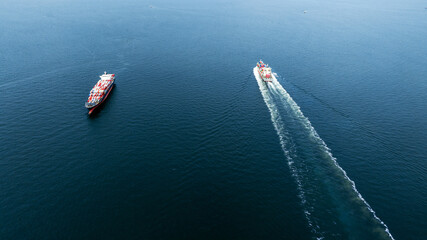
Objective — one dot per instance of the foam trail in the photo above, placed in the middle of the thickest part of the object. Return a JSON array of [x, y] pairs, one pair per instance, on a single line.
[[332, 205]]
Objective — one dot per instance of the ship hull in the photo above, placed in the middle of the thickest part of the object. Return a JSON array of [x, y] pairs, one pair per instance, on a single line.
[[100, 103], [264, 79], [102, 99]]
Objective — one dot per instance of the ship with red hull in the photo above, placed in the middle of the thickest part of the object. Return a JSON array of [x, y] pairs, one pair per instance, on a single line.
[[100, 91], [264, 71]]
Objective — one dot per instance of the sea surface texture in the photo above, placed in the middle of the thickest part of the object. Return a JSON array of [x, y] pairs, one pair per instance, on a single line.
[[191, 143]]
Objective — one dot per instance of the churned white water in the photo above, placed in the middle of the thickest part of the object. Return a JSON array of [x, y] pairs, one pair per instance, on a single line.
[[275, 95]]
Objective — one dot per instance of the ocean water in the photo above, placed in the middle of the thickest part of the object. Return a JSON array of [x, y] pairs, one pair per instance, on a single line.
[[191, 144]]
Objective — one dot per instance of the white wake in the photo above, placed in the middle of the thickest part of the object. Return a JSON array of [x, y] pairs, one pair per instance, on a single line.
[[273, 91]]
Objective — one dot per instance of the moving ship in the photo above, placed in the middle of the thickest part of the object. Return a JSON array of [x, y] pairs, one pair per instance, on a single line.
[[264, 71], [100, 91]]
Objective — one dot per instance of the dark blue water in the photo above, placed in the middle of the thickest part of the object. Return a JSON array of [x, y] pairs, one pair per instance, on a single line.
[[189, 145]]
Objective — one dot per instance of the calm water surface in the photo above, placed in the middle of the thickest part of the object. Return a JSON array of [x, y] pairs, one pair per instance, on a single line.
[[189, 145]]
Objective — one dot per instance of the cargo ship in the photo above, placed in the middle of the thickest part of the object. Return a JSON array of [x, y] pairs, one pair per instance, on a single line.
[[264, 71], [100, 91]]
